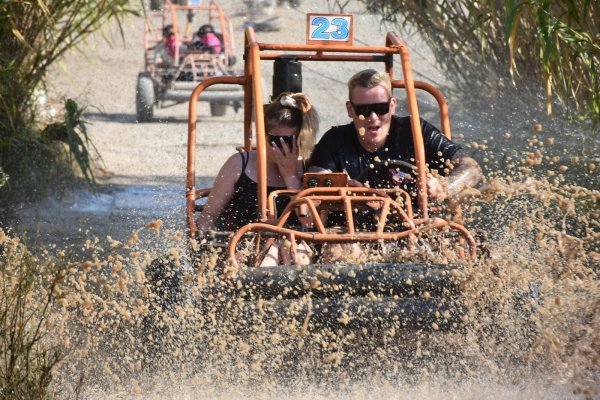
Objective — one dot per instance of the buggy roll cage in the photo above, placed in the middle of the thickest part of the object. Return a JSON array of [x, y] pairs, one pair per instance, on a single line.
[[254, 53]]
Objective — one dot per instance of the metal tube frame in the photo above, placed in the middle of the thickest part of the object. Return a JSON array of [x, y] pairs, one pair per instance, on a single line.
[[254, 53]]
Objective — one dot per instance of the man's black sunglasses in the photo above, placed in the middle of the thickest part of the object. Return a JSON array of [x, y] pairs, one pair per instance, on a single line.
[[366, 109], [279, 140]]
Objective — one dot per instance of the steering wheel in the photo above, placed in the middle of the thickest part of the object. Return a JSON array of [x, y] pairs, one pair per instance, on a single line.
[[404, 166]]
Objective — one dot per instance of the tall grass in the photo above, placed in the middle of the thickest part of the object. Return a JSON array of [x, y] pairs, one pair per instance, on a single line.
[[34, 35], [555, 43], [29, 350]]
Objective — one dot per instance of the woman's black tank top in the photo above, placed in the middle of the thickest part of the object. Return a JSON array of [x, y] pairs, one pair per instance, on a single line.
[[243, 206]]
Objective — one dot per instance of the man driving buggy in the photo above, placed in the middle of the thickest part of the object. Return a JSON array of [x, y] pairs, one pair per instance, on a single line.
[[376, 135]]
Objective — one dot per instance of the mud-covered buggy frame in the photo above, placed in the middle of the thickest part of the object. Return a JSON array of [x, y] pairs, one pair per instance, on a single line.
[[165, 83], [420, 294]]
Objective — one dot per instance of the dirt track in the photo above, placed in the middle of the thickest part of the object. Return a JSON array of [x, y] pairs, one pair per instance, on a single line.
[[142, 176]]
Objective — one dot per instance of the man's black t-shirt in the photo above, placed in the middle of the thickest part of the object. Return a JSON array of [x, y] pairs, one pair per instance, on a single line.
[[340, 151]]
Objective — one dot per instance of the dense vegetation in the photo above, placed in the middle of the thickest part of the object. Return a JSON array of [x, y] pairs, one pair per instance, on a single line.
[[29, 288], [33, 37], [555, 44], [36, 154]]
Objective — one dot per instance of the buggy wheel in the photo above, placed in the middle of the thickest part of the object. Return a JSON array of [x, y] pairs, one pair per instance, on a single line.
[[412, 296], [144, 98], [164, 284], [163, 281], [218, 109]]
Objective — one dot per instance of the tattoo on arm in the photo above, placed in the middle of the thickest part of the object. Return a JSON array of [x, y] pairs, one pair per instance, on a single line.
[[466, 174]]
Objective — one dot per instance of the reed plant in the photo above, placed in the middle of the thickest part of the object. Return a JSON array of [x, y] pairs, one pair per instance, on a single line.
[[34, 35], [555, 43], [30, 350]]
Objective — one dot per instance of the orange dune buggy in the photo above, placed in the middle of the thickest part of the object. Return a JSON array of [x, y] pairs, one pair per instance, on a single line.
[[169, 80], [411, 294]]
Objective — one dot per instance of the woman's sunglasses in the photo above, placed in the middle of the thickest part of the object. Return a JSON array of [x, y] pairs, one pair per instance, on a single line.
[[366, 109], [279, 140]]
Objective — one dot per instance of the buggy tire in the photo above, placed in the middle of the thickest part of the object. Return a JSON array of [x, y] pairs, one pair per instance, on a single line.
[[411, 296], [144, 98], [164, 282], [218, 109], [355, 280]]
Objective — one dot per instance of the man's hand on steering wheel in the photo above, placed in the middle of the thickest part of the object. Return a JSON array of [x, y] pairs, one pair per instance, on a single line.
[[436, 185], [436, 189], [379, 166]]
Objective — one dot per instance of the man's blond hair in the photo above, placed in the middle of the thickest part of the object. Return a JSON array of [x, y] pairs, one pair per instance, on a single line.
[[369, 78]]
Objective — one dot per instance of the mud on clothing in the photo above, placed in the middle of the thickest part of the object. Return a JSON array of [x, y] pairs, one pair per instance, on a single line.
[[243, 206], [339, 150]]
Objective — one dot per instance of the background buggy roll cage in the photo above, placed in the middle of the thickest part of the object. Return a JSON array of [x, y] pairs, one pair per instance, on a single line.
[[254, 52], [169, 9]]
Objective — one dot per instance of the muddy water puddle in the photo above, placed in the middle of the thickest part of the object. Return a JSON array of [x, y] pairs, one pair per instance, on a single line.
[[530, 304], [116, 209], [531, 319]]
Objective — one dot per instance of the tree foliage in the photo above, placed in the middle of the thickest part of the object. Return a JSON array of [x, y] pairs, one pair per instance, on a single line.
[[556, 43], [33, 36]]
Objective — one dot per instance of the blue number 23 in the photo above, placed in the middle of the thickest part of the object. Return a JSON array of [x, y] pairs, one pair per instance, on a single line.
[[340, 33]]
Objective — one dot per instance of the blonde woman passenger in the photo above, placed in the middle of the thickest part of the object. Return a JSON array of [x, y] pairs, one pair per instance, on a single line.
[[291, 125]]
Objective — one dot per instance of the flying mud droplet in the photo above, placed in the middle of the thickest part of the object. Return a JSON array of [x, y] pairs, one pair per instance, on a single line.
[[87, 266], [361, 117], [361, 131], [537, 128], [155, 225], [344, 319]]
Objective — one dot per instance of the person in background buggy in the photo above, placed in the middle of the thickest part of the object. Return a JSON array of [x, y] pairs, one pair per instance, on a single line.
[[208, 40], [164, 52]]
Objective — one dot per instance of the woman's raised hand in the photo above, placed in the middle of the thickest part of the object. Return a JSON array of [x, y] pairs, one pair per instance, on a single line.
[[286, 158]]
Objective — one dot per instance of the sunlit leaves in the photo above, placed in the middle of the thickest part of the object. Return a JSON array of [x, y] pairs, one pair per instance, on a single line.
[[556, 43]]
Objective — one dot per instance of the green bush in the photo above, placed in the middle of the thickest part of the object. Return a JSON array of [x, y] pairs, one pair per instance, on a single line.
[[46, 159], [35, 35]]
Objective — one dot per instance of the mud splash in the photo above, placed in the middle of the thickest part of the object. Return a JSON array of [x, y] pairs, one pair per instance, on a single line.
[[531, 317]]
